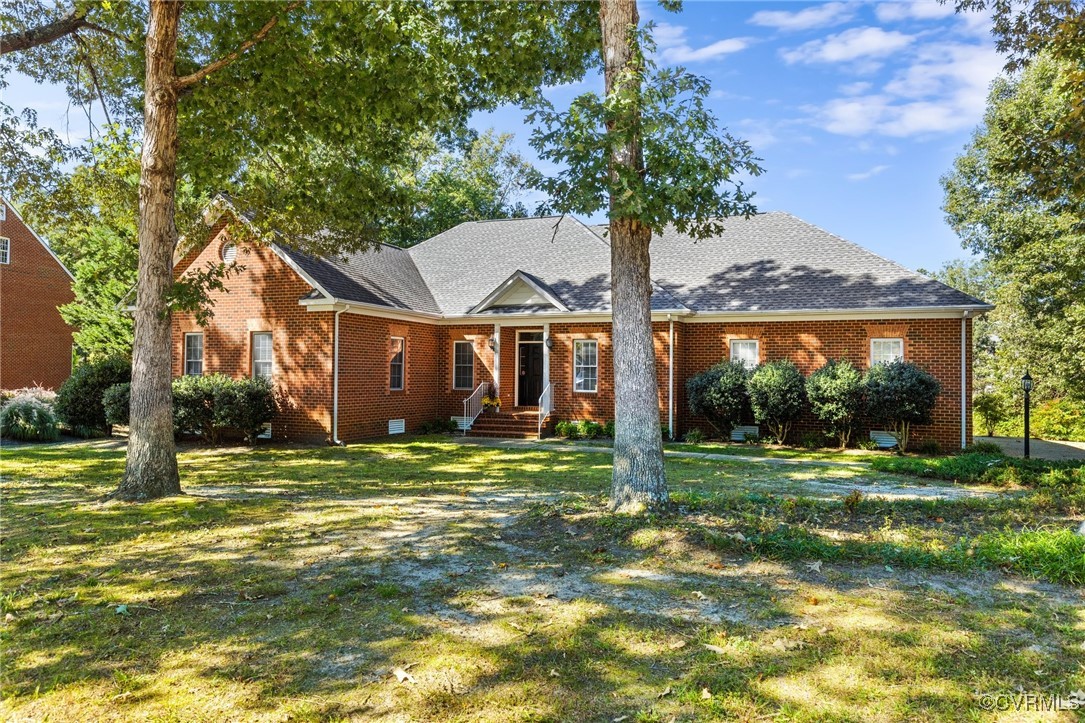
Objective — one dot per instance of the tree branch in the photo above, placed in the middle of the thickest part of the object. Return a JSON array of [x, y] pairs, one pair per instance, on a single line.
[[187, 81], [67, 24], [85, 54]]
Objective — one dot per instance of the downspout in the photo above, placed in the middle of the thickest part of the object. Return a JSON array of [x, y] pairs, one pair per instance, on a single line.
[[670, 380], [335, 383], [964, 379]]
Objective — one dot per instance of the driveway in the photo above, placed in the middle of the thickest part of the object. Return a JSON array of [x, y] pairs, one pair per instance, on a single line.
[[1038, 448]]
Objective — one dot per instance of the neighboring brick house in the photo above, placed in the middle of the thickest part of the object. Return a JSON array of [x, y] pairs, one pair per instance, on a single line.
[[35, 343], [381, 341]]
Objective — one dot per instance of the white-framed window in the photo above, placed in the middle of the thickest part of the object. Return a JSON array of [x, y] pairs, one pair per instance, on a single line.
[[397, 355], [463, 365], [585, 365], [746, 352], [883, 351], [193, 354], [262, 355], [5, 250]]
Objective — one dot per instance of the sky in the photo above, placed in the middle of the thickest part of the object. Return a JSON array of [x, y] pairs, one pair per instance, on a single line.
[[856, 109]]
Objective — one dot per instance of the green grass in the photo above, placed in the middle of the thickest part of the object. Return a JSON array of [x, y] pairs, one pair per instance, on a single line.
[[982, 468], [748, 450], [290, 583]]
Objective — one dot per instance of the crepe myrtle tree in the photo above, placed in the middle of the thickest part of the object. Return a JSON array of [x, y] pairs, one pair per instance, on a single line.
[[900, 394], [291, 107], [651, 154]]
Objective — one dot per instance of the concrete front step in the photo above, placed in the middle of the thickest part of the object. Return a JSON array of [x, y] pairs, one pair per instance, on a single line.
[[503, 434]]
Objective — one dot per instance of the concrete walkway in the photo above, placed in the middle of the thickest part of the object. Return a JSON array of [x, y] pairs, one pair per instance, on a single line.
[[1038, 448], [560, 447]]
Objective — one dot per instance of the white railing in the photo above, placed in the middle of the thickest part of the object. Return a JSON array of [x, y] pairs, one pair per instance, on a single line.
[[544, 407], [472, 407]]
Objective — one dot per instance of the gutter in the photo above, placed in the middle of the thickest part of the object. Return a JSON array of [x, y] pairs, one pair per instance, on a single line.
[[964, 378], [335, 383]]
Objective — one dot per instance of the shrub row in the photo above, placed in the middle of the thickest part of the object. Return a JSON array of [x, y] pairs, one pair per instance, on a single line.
[[208, 406], [583, 429], [897, 394], [981, 465], [79, 399]]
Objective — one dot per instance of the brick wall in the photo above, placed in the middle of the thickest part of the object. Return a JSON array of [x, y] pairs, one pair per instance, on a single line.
[[264, 298], [479, 336], [35, 343], [933, 344]]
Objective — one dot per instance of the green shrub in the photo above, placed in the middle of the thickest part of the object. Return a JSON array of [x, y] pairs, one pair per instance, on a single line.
[[812, 440], [591, 430], [194, 405], [719, 395], [988, 448], [900, 394], [28, 419], [836, 393], [777, 396], [694, 436], [929, 447], [989, 468], [1059, 419], [608, 429], [867, 444], [117, 400], [438, 426], [567, 429], [991, 410], [79, 400], [244, 405]]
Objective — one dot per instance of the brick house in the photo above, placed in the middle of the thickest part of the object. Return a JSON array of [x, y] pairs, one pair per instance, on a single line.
[[35, 343], [381, 341]]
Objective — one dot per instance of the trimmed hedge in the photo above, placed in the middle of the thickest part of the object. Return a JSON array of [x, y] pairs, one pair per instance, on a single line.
[[778, 396]]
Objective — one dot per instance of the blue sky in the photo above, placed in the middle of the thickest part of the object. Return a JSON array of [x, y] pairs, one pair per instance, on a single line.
[[855, 108]]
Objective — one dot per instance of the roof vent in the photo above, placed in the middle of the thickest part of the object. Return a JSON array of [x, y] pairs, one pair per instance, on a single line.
[[229, 253]]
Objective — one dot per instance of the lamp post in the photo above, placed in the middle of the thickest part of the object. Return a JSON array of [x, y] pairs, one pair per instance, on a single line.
[[1026, 384]]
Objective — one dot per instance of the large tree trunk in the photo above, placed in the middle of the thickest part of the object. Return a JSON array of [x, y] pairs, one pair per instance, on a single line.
[[151, 469], [640, 481]]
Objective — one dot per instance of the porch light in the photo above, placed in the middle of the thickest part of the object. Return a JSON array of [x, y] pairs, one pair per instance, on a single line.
[[492, 343], [549, 342]]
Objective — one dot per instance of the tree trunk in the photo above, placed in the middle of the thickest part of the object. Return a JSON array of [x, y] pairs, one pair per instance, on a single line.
[[151, 469], [639, 482]]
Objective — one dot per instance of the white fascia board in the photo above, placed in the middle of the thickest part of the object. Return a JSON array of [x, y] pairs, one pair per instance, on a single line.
[[39, 238], [912, 312], [508, 283]]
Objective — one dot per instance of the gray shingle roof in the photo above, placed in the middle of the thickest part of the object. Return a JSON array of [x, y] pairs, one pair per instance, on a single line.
[[769, 262]]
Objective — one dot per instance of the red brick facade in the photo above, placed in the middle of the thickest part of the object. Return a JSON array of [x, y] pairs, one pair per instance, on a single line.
[[265, 297], [35, 343]]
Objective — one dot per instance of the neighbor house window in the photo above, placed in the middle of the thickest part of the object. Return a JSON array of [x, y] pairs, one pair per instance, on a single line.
[[5, 251], [395, 366], [193, 355], [463, 365], [262, 360], [883, 351], [585, 365], [746, 352]]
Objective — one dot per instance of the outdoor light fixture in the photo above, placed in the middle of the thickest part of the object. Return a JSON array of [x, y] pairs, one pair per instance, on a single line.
[[549, 342], [492, 342], [1026, 384]]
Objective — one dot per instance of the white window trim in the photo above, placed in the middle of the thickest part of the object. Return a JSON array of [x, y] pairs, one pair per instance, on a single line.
[[884, 339], [252, 342], [586, 341], [203, 354], [403, 375], [756, 346], [7, 250], [471, 346]]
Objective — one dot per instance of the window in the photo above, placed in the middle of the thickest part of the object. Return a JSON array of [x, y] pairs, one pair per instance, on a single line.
[[746, 351], [262, 365], [193, 355], [395, 365], [463, 365], [883, 351], [585, 365], [5, 251]]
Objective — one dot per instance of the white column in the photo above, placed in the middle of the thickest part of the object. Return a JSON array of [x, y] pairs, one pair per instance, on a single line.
[[546, 361], [497, 357]]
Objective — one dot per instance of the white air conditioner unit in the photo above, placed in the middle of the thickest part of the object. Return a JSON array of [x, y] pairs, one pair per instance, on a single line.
[[397, 426]]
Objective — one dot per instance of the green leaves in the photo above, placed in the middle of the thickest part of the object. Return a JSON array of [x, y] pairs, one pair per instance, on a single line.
[[693, 169]]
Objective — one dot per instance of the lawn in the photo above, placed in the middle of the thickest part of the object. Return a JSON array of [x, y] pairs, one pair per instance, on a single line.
[[425, 580]]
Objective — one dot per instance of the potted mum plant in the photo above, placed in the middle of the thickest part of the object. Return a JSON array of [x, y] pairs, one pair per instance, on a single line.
[[490, 401]]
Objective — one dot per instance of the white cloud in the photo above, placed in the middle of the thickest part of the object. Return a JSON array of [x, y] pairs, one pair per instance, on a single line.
[[890, 12], [851, 44], [675, 48], [864, 175], [818, 16], [855, 88], [942, 89]]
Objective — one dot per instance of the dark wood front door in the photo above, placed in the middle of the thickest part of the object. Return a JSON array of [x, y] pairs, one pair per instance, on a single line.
[[530, 373]]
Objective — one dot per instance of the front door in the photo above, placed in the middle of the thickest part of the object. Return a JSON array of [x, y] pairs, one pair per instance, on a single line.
[[530, 373]]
